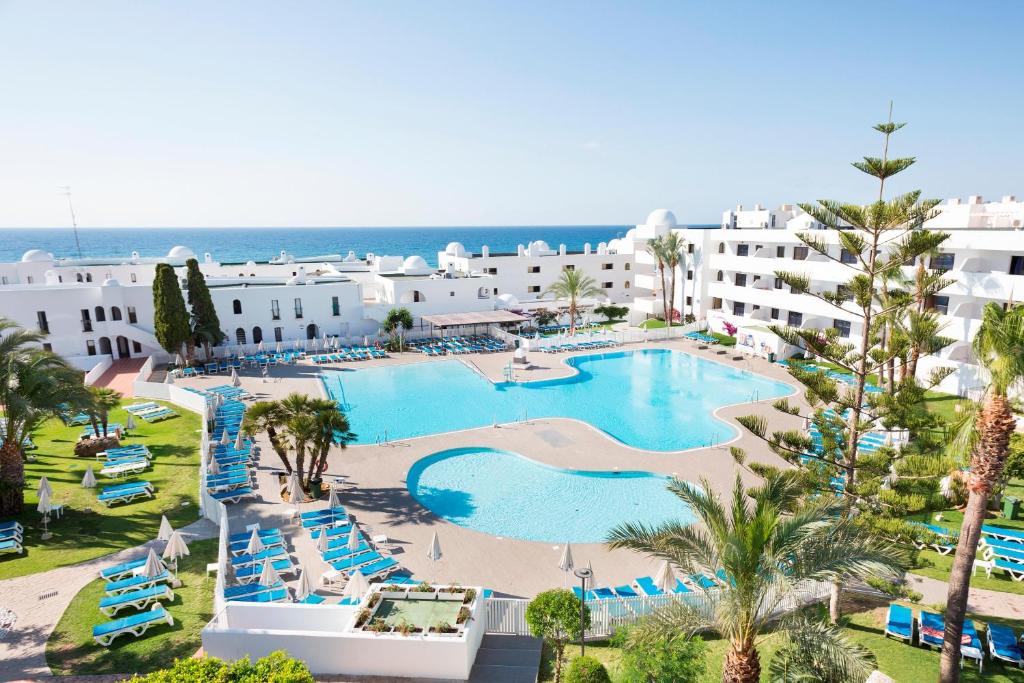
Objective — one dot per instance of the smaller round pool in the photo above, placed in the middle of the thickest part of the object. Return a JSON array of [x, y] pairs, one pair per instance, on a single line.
[[505, 494]]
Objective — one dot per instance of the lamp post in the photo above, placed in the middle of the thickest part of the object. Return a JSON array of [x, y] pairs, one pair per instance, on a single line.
[[583, 573]]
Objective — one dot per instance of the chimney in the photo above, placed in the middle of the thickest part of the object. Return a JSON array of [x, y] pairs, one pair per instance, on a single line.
[[954, 201], [739, 207], [586, 248], [1009, 199], [974, 199], [758, 207]]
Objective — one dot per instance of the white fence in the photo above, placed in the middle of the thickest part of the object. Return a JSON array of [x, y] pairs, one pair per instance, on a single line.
[[627, 336], [98, 370]]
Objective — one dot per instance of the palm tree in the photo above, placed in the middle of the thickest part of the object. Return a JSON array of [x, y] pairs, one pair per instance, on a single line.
[[397, 319], [999, 348], [331, 428], [267, 416], [104, 400], [673, 244], [573, 285], [657, 249], [302, 431], [34, 385], [765, 549]]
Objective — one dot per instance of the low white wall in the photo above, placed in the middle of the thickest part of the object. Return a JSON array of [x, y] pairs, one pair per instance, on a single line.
[[86, 363], [98, 370]]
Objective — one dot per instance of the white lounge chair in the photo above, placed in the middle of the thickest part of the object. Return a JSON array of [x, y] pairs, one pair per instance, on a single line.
[[139, 599], [136, 625]]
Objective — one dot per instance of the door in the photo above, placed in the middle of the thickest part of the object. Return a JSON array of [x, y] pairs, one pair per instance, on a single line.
[[122, 348]]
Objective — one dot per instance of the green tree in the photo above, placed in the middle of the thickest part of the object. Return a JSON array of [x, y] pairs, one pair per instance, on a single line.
[[396, 322], [34, 385], [269, 417], [544, 317], [554, 615], [277, 667], [170, 319], [765, 545], [332, 429], [653, 659], [104, 399], [205, 323], [573, 285], [587, 670], [818, 652], [673, 246], [612, 312], [999, 348], [656, 247]]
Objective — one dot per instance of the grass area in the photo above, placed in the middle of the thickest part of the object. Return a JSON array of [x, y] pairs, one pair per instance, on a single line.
[[71, 649], [657, 324], [592, 327], [88, 528], [724, 339], [902, 662], [943, 405]]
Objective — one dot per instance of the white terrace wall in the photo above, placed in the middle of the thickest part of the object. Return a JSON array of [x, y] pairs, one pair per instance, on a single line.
[[98, 370]]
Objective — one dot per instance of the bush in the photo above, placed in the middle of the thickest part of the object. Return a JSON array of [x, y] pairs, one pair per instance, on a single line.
[[647, 659], [277, 667], [554, 615], [587, 670], [612, 312]]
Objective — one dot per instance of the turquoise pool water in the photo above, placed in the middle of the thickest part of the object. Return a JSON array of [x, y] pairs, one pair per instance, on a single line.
[[505, 494], [654, 399]]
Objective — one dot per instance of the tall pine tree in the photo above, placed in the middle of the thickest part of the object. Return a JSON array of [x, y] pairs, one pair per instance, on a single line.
[[205, 323], [170, 319]]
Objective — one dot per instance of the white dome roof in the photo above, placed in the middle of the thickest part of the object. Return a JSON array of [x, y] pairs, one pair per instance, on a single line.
[[505, 302], [661, 218], [111, 282], [414, 263], [351, 257], [35, 255], [539, 245], [180, 252], [455, 249]]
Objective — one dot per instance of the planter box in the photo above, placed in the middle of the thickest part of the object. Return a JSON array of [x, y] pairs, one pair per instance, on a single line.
[[392, 595], [451, 597], [415, 595]]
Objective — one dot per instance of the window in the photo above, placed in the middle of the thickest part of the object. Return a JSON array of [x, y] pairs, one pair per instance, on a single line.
[[136, 347], [741, 279], [742, 249], [799, 253], [236, 306], [778, 283], [773, 220], [568, 266], [689, 301], [41, 322], [115, 313], [240, 336], [533, 269], [719, 276], [101, 315], [1016, 265], [689, 250], [86, 322], [689, 275], [628, 266], [843, 326], [716, 304], [625, 285], [795, 319], [336, 305], [275, 310], [533, 289], [607, 266], [606, 285], [257, 334], [132, 317], [491, 271], [79, 278], [843, 292], [3, 279], [88, 277], [135, 278], [278, 334], [940, 304], [738, 308], [780, 252], [48, 347], [298, 308], [452, 293], [942, 262], [29, 279], [90, 346], [721, 247], [847, 256], [775, 314]]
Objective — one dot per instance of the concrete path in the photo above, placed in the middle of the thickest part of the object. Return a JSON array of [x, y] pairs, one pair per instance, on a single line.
[[39, 600], [979, 601]]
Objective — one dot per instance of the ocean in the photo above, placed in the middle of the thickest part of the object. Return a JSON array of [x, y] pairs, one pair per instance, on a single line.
[[259, 244]]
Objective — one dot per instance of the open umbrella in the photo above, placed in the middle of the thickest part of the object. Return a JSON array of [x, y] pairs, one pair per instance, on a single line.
[[306, 585], [239, 442], [235, 381], [153, 566], [164, 534], [332, 499], [321, 541], [255, 544], [353, 539], [665, 579], [295, 492], [89, 480], [224, 438], [130, 423], [269, 575], [356, 587], [565, 563], [175, 549], [44, 485]]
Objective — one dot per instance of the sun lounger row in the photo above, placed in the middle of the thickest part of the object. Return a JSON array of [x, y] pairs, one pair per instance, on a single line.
[[701, 337], [900, 624], [580, 346]]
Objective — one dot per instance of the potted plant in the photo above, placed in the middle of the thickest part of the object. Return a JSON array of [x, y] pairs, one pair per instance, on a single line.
[[374, 599], [363, 617], [378, 626], [469, 596], [464, 615], [443, 628], [406, 629]]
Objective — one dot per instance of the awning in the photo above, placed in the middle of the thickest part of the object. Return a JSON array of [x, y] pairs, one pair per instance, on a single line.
[[477, 318]]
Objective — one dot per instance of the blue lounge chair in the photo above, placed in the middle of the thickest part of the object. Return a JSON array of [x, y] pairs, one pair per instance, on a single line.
[[316, 513], [625, 592], [331, 531], [135, 583], [11, 545], [646, 586], [127, 486], [1014, 569], [246, 559], [973, 648], [11, 534], [931, 629], [1002, 644], [125, 495], [234, 592], [273, 595], [233, 495], [250, 573], [900, 623], [380, 568], [313, 599], [590, 596], [139, 599], [263, 534], [136, 624], [357, 560], [1003, 533], [119, 571], [343, 552]]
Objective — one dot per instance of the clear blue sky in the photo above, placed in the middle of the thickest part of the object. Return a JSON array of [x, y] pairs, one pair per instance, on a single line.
[[481, 113]]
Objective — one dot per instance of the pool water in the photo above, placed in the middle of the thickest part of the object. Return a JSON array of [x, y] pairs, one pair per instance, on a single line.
[[507, 495], [655, 399]]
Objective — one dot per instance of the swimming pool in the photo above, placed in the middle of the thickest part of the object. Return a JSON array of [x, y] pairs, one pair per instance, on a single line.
[[507, 495], [656, 399]]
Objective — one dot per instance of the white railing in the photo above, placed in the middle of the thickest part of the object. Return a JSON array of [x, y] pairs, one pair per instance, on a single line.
[[222, 564], [98, 370]]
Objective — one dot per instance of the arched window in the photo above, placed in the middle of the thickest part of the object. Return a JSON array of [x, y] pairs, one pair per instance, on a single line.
[[115, 313], [100, 315], [88, 277], [240, 336], [721, 247], [257, 335], [237, 306], [413, 296], [625, 285], [719, 277], [79, 278], [628, 265]]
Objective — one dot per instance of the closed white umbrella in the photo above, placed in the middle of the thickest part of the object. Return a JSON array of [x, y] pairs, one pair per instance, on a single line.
[[44, 509], [239, 442], [321, 541], [255, 544], [89, 480], [44, 485], [224, 438], [565, 563], [164, 534], [235, 381], [357, 586], [332, 499], [593, 576], [153, 566], [295, 492], [665, 579], [169, 378], [353, 539], [269, 575], [214, 467], [130, 423], [176, 548], [259, 347], [434, 551], [305, 587], [178, 360]]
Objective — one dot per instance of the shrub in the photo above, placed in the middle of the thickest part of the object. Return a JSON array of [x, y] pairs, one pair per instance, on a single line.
[[544, 317], [612, 312], [277, 667], [730, 329], [646, 659], [469, 597], [587, 670], [464, 615]]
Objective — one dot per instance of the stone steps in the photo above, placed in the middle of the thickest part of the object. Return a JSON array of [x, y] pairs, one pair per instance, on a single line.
[[507, 659]]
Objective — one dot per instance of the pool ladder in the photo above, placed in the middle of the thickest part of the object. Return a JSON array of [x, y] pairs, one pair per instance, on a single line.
[[755, 396]]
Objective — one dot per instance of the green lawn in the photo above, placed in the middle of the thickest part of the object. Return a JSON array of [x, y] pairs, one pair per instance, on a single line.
[[724, 339], [71, 649], [88, 528], [943, 405], [657, 324], [902, 662]]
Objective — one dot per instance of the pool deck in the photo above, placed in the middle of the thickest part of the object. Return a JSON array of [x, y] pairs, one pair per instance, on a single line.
[[375, 492]]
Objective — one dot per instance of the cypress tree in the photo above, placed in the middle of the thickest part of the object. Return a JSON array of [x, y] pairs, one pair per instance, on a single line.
[[205, 323], [170, 319]]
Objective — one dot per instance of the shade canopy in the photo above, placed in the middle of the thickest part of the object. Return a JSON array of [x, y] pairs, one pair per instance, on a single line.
[[44, 485], [130, 422], [566, 563], [474, 318], [235, 381], [255, 544], [225, 439], [214, 467], [239, 442], [295, 492], [665, 579], [176, 547], [321, 540], [332, 499], [44, 506], [306, 585], [353, 539], [153, 566]]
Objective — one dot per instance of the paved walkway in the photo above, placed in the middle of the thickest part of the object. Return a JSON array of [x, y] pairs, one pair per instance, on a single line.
[[23, 649], [979, 601]]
